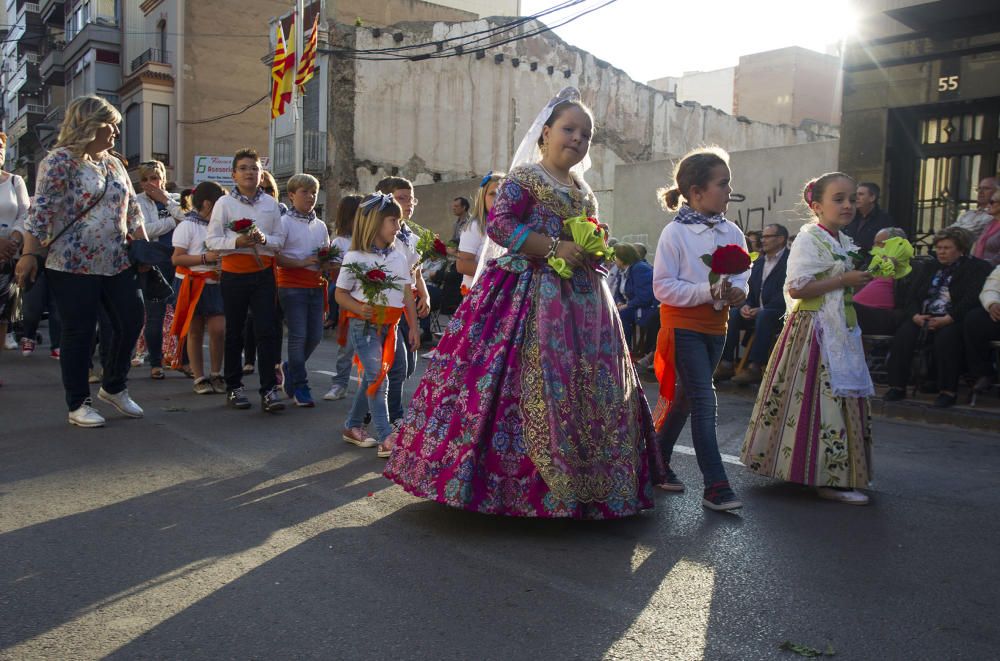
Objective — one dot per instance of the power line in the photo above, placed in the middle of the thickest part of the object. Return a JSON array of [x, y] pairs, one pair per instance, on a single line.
[[459, 49], [225, 115]]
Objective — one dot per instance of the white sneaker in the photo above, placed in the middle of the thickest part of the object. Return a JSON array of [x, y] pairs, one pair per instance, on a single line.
[[852, 497], [430, 355], [10, 342], [86, 415], [336, 392], [122, 402]]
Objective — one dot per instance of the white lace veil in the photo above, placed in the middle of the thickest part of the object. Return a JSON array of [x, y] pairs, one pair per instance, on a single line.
[[529, 153]]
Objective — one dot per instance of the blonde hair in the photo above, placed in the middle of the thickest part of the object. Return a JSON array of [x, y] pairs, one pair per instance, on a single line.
[[301, 181], [368, 223], [84, 116], [479, 211], [149, 168], [3, 138], [695, 169]]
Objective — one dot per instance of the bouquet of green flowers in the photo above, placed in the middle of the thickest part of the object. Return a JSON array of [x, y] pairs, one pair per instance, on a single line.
[[589, 235], [892, 259]]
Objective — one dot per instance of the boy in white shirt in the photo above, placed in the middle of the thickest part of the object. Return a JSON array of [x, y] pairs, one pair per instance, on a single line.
[[301, 284], [247, 277]]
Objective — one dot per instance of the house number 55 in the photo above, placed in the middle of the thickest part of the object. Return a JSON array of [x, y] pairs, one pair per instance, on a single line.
[[947, 83]]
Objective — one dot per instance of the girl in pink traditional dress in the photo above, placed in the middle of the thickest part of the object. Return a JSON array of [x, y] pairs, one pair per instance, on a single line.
[[532, 407], [810, 424]]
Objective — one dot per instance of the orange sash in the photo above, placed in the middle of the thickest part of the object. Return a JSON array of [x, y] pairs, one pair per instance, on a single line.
[[239, 262], [303, 278], [299, 277], [384, 316], [187, 302], [464, 290], [701, 319]]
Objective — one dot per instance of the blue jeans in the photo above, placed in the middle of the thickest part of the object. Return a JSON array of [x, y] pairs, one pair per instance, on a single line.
[[697, 356], [368, 345], [304, 317], [402, 369], [766, 326], [345, 356]]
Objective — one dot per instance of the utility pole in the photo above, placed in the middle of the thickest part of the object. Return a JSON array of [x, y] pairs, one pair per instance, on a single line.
[[300, 29]]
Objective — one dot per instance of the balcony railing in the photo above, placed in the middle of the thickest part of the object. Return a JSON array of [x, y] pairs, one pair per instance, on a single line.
[[55, 114], [151, 55], [31, 108], [313, 146]]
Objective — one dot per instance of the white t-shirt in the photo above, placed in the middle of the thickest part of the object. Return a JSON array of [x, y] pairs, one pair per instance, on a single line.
[[303, 238], [470, 241], [395, 264], [190, 235], [409, 248]]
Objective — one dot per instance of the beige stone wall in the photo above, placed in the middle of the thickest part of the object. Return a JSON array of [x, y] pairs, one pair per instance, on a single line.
[[220, 75], [771, 179], [388, 12], [454, 119]]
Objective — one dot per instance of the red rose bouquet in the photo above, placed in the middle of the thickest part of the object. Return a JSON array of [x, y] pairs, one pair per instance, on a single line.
[[329, 255], [245, 226], [430, 247], [375, 282], [726, 261]]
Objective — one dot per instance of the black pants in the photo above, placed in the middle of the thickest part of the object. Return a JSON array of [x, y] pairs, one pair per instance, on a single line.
[[946, 354], [250, 338], [256, 293], [36, 300], [878, 321], [979, 331], [78, 298]]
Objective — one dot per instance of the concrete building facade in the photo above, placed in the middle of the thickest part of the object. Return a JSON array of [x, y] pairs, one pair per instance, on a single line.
[[450, 120], [788, 86], [921, 106]]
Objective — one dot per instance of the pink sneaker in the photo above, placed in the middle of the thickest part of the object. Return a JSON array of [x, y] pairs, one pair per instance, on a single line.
[[359, 437], [27, 346]]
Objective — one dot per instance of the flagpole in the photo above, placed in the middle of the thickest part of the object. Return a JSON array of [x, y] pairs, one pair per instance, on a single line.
[[300, 29]]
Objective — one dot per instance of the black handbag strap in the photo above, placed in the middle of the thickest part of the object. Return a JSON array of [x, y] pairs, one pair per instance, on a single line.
[[93, 203]]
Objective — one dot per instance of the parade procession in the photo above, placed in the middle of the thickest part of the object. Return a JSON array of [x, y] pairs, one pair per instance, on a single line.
[[315, 314]]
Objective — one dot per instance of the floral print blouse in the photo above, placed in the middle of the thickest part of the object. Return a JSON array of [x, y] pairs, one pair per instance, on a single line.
[[95, 244]]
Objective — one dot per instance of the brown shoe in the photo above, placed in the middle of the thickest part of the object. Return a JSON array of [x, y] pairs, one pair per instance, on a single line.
[[724, 371], [750, 376]]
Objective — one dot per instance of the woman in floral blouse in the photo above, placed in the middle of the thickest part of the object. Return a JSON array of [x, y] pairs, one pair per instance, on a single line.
[[76, 230]]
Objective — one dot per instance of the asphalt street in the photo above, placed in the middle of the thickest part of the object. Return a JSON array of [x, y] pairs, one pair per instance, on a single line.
[[205, 533]]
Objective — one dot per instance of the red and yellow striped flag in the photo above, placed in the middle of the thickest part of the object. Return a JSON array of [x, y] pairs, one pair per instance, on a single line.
[[307, 63], [282, 68]]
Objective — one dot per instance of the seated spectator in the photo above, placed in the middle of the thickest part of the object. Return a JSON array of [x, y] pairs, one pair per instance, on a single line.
[[637, 303], [868, 221], [876, 302], [982, 326], [976, 220], [763, 310], [935, 309], [988, 245], [754, 244]]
